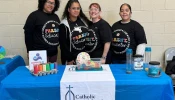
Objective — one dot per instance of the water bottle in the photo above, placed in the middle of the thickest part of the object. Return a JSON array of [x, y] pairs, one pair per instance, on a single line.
[[129, 61], [147, 56]]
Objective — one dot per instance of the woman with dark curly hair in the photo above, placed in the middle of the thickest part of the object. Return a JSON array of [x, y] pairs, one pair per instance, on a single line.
[[42, 29], [73, 32]]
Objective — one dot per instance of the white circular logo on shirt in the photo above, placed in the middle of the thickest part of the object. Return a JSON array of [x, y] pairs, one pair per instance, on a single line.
[[120, 41], [91, 41], [78, 37], [50, 32]]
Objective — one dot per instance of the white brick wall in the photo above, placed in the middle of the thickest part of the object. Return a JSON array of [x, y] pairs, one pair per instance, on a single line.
[[156, 16]]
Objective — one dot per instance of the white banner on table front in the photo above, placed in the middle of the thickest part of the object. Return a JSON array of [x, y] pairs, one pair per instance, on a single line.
[[88, 85]]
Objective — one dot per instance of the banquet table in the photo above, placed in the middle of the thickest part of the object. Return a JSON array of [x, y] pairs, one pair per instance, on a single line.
[[7, 65], [21, 85]]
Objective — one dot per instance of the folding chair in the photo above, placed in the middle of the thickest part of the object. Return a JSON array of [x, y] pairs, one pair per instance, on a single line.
[[169, 53]]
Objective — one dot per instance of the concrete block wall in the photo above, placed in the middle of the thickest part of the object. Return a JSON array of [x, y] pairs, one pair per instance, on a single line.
[[156, 16]]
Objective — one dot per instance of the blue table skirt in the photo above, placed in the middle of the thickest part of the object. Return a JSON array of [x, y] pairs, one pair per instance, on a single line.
[[139, 86], [9, 65], [21, 85]]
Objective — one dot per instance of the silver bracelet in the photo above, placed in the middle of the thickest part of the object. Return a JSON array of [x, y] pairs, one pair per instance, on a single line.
[[104, 57]]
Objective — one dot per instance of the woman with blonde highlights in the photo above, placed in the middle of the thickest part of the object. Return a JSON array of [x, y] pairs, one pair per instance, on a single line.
[[102, 35]]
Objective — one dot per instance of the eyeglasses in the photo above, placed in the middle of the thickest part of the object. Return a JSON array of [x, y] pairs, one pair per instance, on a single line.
[[75, 8], [50, 3], [96, 10]]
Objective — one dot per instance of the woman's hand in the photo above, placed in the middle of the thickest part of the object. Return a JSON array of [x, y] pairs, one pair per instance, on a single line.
[[103, 61]]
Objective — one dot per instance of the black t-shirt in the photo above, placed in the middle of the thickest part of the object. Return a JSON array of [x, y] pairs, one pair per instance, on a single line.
[[99, 33], [126, 35], [42, 32], [79, 32]]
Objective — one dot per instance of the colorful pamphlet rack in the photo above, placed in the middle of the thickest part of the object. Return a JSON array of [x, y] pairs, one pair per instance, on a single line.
[[44, 69]]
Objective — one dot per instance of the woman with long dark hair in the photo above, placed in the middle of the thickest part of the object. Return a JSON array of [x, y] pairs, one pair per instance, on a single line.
[[73, 32], [42, 29]]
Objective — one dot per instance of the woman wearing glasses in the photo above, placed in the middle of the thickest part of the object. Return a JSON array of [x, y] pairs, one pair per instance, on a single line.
[[73, 32], [103, 34], [42, 29]]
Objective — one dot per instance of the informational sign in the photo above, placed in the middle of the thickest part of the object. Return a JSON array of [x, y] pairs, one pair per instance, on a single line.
[[37, 57]]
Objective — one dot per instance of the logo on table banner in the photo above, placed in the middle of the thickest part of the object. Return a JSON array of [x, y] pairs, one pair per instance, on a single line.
[[50, 32], [71, 96], [120, 41], [37, 57]]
